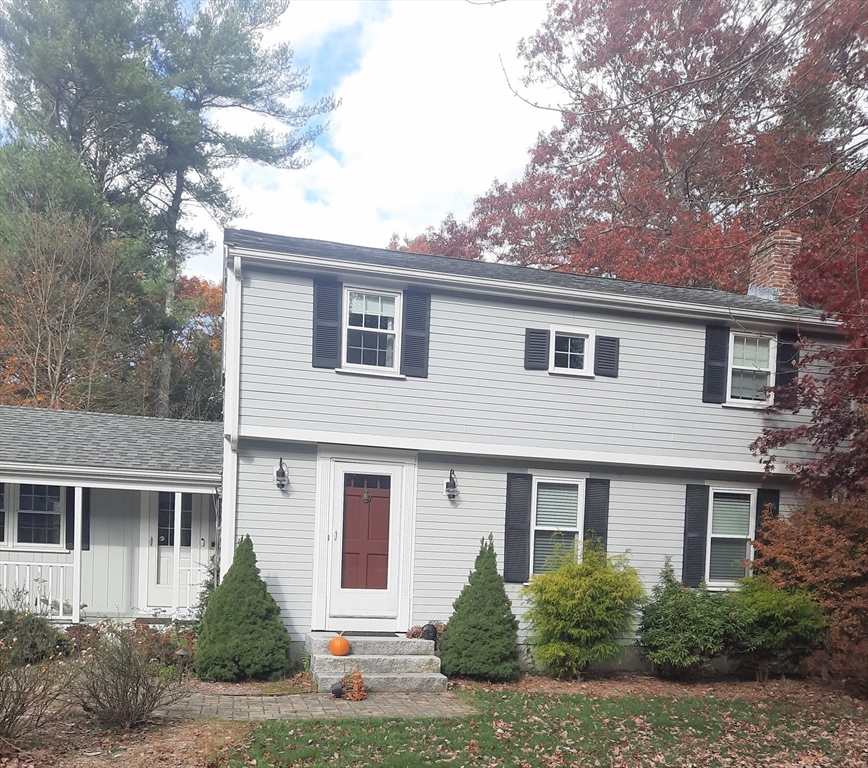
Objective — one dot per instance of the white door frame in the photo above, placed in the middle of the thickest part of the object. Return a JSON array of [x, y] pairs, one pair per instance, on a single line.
[[331, 462]]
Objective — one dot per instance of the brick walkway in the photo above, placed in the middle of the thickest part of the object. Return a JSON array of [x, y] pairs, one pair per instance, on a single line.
[[306, 706]]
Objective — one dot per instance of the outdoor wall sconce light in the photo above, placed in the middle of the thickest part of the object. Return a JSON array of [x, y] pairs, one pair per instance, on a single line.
[[451, 487], [280, 478]]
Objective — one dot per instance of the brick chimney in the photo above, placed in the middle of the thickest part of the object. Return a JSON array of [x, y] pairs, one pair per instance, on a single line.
[[771, 266]]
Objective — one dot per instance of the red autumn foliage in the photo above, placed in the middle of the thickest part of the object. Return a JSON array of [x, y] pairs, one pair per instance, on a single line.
[[688, 129], [824, 546]]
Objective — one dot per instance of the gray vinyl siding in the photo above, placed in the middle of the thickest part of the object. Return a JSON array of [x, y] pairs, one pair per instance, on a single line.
[[646, 522], [477, 389], [281, 525]]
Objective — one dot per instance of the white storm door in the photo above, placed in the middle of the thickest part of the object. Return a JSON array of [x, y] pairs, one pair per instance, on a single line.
[[162, 549], [364, 537]]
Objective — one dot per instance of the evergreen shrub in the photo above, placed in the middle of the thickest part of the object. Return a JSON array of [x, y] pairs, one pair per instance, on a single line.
[[578, 610], [481, 638], [781, 628], [242, 635], [682, 629], [30, 637]]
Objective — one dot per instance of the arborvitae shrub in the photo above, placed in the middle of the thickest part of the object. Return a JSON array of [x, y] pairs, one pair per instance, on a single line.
[[242, 635], [481, 638], [823, 546], [578, 610], [682, 629], [781, 628]]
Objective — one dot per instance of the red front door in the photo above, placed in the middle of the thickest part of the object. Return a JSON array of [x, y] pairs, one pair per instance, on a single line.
[[365, 552]]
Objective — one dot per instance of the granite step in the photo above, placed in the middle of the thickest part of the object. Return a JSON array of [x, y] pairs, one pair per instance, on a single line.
[[323, 664], [318, 644], [392, 683]]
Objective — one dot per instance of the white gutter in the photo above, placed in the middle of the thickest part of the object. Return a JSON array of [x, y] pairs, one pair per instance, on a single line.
[[545, 293]]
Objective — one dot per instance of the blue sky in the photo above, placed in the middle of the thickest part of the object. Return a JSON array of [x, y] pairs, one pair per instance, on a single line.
[[427, 120]]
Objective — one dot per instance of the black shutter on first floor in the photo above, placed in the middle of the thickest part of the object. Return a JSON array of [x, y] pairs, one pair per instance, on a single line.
[[536, 349], [787, 371], [597, 510], [716, 364], [415, 328], [327, 300], [695, 531], [85, 518], [606, 356], [766, 497], [516, 555]]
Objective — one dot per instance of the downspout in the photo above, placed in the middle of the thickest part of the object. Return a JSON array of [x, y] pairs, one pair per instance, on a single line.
[[231, 410]]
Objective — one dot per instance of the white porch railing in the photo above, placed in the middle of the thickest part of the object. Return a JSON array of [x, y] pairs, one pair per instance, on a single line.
[[45, 588]]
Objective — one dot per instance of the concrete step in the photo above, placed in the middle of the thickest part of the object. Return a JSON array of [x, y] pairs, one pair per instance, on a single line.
[[318, 643], [391, 683], [325, 664]]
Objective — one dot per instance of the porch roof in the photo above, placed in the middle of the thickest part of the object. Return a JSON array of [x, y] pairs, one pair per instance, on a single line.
[[81, 444]]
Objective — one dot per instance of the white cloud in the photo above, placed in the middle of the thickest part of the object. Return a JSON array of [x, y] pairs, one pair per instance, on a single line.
[[427, 122]]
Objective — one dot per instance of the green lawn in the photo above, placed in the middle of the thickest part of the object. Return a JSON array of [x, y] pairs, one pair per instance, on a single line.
[[529, 730]]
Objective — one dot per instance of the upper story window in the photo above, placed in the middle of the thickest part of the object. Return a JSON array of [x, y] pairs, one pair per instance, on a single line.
[[732, 520], [751, 369], [556, 519], [572, 351], [371, 329], [39, 514]]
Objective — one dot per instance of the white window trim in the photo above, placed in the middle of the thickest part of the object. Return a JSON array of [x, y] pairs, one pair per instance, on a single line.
[[752, 492], [395, 368], [589, 334], [12, 509], [580, 517], [773, 356]]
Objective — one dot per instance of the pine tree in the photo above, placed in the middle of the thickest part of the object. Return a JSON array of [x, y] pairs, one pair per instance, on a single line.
[[242, 636], [481, 639]]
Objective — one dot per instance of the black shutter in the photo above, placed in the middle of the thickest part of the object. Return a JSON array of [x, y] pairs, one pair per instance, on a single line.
[[787, 372], [716, 363], [606, 356], [516, 556], [414, 346], [327, 298], [766, 497], [85, 518], [536, 349], [695, 531], [597, 510]]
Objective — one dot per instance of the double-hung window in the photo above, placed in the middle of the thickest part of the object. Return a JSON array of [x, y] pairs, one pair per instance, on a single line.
[[572, 351], [39, 514], [731, 525], [751, 369], [372, 329], [557, 519]]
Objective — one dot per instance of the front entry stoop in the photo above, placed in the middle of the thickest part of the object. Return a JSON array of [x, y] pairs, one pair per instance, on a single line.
[[388, 663]]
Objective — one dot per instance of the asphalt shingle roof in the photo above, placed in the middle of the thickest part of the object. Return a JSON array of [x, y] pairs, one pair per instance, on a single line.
[[109, 441], [243, 238]]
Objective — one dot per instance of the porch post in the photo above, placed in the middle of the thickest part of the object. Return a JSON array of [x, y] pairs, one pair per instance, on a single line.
[[76, 560], [176, 556]]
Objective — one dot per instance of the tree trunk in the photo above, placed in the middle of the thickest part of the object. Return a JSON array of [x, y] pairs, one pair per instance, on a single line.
[[173, 259]]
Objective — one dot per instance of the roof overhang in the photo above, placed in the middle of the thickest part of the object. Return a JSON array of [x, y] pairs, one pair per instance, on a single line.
[[104, 477], [531, 291]]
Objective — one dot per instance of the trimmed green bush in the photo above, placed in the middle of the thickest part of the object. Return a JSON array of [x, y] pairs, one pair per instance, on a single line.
[[242, 635], [578, 610], [781, 628], [481, 638], [682, 629]]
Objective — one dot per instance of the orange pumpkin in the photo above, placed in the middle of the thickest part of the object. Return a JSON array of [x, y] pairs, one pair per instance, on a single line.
[[339, 646]]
